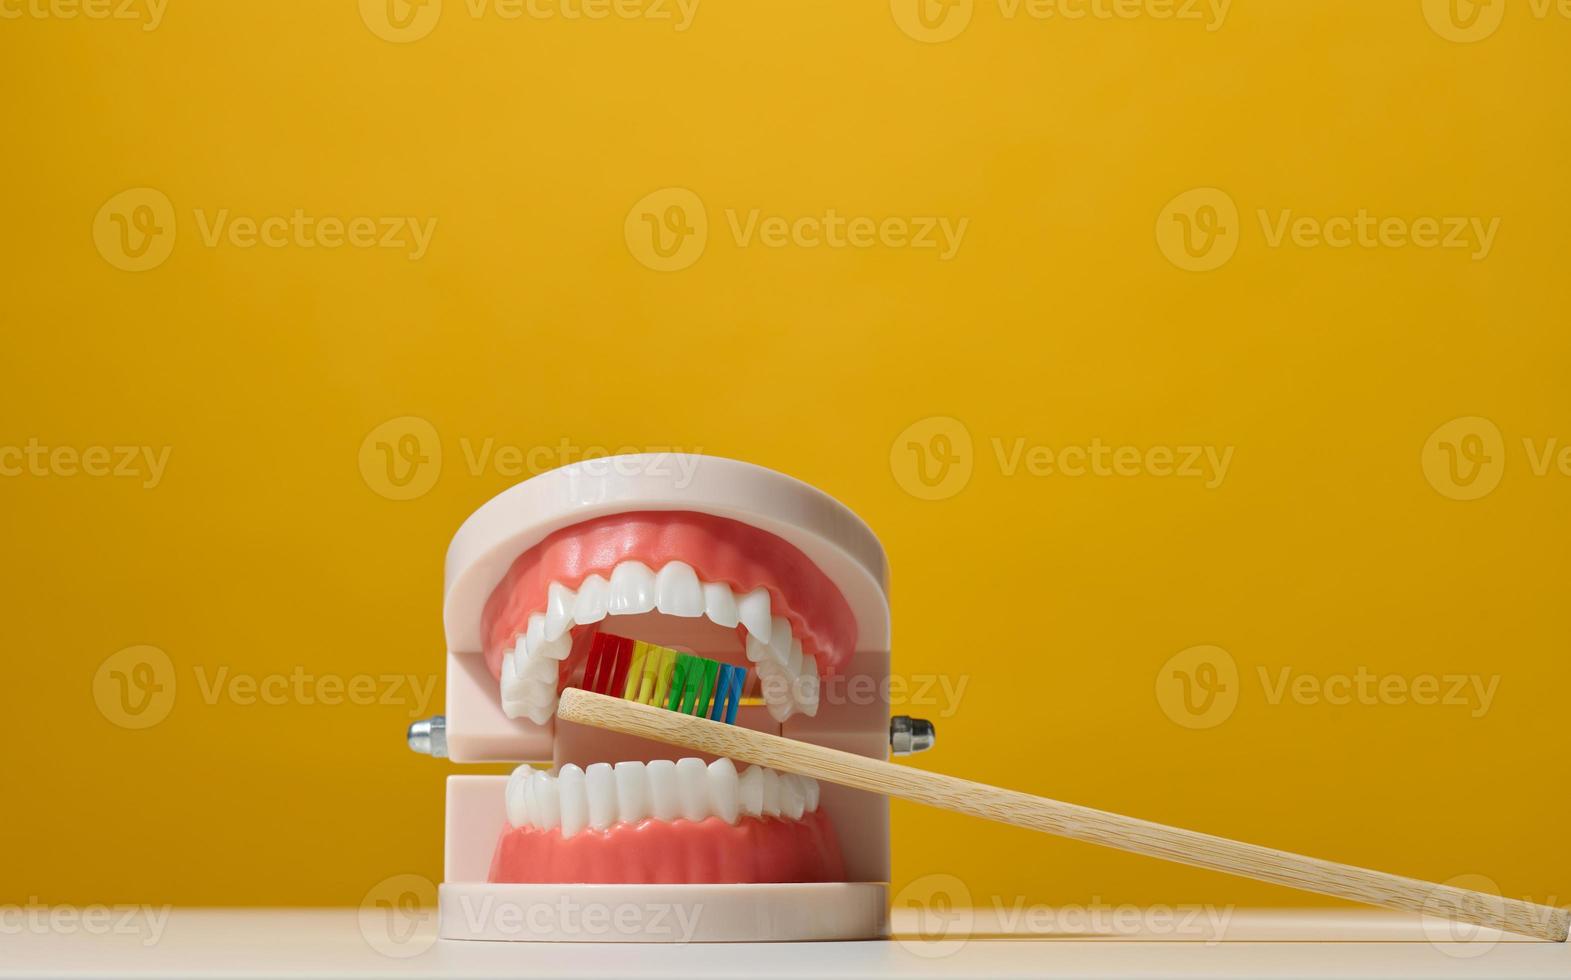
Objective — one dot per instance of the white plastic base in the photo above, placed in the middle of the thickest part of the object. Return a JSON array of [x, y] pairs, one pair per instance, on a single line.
[[664, 913]]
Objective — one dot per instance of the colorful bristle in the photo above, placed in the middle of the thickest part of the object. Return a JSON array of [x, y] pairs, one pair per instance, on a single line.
[[656, 675], [728, 693], [606, 669]]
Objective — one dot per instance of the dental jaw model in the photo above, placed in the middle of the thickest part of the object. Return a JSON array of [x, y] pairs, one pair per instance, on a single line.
[[714, 558]]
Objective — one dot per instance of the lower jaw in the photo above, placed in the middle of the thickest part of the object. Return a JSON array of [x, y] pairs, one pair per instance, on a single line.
[[656, 852]]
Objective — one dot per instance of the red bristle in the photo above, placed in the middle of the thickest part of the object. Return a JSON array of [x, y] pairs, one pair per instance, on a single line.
[[618, 671], [602, 645]]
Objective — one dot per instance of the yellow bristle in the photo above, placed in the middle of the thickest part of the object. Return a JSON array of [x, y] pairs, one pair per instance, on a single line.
[[663, 673], [635, 670]]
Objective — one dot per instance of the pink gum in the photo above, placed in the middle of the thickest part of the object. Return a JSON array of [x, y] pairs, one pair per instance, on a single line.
[[755, 849], [720, 550]]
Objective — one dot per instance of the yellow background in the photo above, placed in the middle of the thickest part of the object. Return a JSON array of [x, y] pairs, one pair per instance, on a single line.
[[531, 321]]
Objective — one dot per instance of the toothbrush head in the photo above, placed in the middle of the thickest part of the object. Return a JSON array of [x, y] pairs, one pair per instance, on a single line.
[[650, 674]]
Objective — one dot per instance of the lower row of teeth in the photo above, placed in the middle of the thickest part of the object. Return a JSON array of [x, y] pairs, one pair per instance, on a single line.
[[604, 794]]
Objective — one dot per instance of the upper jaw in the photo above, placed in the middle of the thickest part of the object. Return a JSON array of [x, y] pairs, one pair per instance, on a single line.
[[489, 543], [785, 617]]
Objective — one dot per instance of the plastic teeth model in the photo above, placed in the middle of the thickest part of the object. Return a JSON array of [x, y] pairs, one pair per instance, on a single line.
[[779, 585]]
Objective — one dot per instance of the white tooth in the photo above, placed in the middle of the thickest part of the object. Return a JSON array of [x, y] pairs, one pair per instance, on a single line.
[[780, 640], [724, 799], [807, 686], [632, 792], [590, 605], [573, 798], [677, 590], [757, 650], [771, 793], [752, 610], [533, 668], [793, 664], [810, 790], [777, 693], [534, 634], [600, 787], [547, 809], [692, 778], [558, 610], [663, 794], [530, 797], [750, 791], [511, 688], [632, 589], [535, 694], [540, 714], [517, 807], [554, 650], [720, 604], [793, 799]]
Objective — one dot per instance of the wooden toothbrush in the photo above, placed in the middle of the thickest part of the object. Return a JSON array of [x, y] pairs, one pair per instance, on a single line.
[[676, 727]]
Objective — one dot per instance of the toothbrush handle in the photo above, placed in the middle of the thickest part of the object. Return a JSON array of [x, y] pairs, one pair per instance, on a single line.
[[1066, 819]]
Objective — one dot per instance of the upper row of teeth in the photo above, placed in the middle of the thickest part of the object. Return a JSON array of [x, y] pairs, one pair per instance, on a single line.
[[628, 792], [529, 669]]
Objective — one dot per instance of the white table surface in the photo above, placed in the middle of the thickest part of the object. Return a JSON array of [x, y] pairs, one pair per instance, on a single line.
[[336, 942]]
